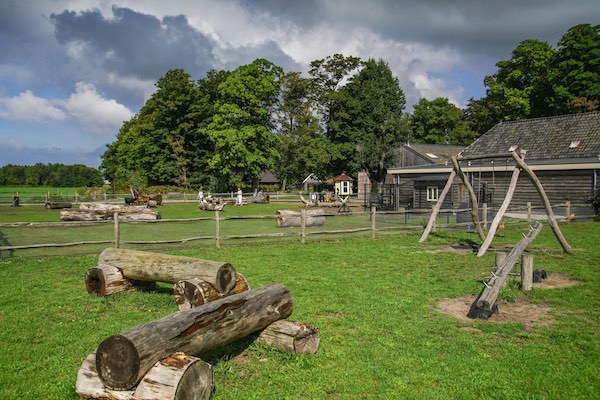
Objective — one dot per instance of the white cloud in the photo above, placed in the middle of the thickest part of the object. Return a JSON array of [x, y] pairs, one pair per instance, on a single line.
[[144, 87], [93, 112], [28, 107]]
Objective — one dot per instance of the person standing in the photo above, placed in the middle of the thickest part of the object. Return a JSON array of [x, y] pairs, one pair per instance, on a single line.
[[239, 198]]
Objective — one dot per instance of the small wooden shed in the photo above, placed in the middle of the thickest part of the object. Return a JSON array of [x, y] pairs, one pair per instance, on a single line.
[[343, 185]]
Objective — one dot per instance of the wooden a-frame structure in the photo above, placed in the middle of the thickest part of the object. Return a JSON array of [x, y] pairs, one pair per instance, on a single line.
[[487, 239]]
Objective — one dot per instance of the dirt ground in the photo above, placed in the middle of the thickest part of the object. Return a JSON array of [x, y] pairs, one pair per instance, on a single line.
[[521, 311]]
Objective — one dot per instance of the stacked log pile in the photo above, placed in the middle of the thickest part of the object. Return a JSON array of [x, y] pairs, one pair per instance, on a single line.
[[104, 212], [158, 359]]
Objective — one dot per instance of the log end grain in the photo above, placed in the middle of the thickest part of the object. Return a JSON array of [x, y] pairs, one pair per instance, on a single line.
[[105, 279], [89, 385], [193, 292], [292, 337], [118, 363], [225, 278]]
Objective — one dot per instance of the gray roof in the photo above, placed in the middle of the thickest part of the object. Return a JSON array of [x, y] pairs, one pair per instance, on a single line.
[[435, 153], [566, 137]]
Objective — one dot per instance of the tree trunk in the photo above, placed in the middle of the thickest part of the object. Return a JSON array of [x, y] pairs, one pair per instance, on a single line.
[[177, 377], [289, 218], [111, 208], [194, 292], [292, 336], [105, 280], [157, 267], [123, 359]]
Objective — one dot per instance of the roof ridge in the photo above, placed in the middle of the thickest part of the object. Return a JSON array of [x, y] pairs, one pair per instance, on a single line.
[[562, 116]]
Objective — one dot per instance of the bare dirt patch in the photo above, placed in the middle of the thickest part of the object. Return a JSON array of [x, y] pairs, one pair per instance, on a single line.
[[451, 248], [521, 311]]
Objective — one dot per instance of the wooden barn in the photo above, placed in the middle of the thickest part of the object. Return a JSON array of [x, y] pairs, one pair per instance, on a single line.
[[563, 151]]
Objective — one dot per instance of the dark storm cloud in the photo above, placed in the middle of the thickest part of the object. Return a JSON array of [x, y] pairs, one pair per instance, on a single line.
[[136, 44]]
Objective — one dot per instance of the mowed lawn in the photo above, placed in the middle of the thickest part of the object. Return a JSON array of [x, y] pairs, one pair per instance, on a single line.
[[373, 301]]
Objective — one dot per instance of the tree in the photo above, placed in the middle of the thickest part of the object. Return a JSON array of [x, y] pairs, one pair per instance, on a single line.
[[241, 128], [302, 149], [439, 122], [576, 70], [375, 125]]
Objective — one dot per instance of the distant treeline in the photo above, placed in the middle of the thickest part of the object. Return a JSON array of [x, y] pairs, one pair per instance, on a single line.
[[77, 175]]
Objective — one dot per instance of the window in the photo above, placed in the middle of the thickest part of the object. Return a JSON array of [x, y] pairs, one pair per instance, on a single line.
[[345, 187], [432, 193]]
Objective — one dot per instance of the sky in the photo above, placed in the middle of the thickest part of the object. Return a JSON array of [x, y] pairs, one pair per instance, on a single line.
[[71, 71]]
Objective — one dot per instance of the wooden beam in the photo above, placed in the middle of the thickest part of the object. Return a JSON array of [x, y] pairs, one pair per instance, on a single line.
[[436, 208], [474, 206], [498, 217], [540, 189]]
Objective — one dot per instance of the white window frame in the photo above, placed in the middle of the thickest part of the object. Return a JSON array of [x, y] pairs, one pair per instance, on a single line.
[[345, 187], [432, 193]]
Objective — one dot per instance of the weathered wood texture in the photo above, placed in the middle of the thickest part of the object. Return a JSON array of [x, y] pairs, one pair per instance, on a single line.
[[540, 189], [289, 218], [526, 272], [105, 215], [500, 214], [438, 206], [292, 336], [472, 197], [488, 296], [194, 292], [157, 267], [111, 208], [123, 359], [104, 280], [177, 377]]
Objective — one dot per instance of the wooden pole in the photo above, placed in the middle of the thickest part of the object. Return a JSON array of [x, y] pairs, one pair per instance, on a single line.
[[303, 225], [438, 205], [373, 221], [528, 212], [217, 230], [117, 230], [526, 272], [540, 189], [472, 197], [500, 214], [484, 213], [568, 212]]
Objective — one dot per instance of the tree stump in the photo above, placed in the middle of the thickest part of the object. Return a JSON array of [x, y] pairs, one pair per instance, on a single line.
[[156, 267], [123, 359], [292, 336]]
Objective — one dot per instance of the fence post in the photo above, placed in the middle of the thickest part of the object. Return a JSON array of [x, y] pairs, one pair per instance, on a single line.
[[217, 230], [373, 218], [568, 212], [526, 272], [528, 212], [303, 225], [485, 215], [117, 230], [403, 211], [76, 196]]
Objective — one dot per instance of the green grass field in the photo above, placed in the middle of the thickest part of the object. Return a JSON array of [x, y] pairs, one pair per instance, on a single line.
[[372, 300]]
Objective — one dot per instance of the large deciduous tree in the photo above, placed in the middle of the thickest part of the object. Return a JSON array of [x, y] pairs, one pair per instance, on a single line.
[[439, 122], [375, 124]]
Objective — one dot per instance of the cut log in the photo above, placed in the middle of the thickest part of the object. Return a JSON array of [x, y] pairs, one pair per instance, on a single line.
[[289, 218], [123, 359], [488, 296], [292, 336], [111, 208], [194, 292], [52, 205], [103, 215], [211, 206], [104, 280], [90, 386], [540, 189], [157, 267], [177, 377]]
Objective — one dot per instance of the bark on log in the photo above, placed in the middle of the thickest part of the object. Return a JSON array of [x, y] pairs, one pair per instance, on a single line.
[[90, 386], [177, 377], [488, 296], [500, 214], [208, 206], [194, 292], [472, 197], [123, 359], [540, 189], [292, 336], [157, 267], [112, 208], [104, 280], [101, 215], [289, 218], [438, 206]]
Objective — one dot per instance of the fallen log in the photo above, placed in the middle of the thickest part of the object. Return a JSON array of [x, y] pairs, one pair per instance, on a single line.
[[194, 292], [123, 359], [111, 208], [104, 280], [156, 267], [175, 377], [487, 299], [209, 206], [292, 336], [103, 215], [52, 205], [289, 218]]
